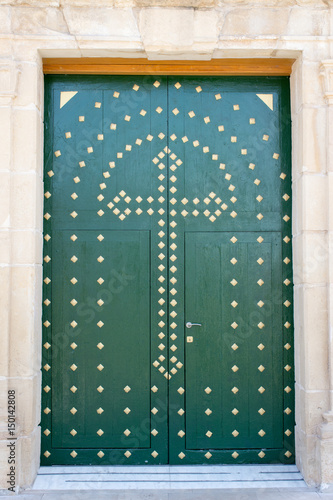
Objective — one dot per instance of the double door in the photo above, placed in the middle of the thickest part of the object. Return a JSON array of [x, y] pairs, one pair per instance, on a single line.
[[167, 308]]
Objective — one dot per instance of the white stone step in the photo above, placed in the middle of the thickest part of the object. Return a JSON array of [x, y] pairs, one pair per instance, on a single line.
[[168, 477]]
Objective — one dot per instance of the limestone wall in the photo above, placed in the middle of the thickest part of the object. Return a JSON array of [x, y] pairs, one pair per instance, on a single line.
[[166, 29]]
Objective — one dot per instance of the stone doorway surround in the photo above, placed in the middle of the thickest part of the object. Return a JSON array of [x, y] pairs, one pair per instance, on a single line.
[[31, 30]]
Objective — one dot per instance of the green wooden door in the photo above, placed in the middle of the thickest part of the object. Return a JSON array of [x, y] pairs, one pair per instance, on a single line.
[[167, 201]]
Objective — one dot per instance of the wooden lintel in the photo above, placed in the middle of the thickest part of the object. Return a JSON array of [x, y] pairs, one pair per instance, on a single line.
[[111, 66]]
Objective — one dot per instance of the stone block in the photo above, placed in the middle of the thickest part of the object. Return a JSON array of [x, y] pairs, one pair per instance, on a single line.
[[27, 247], [326, 451], [5, 26], [5, 216], [26, 201], [254, 21], [310, 193], [29, 458], [307, 456], [310, 408], [5, 246], [25, 342], [4, 319], [116, 24], [311, 336], [40, 21], [30, 86], [5, 134], [27, 140], [178, 32], [308, 21], [311, 84], [310, 140], [27, 396], [311, 256]]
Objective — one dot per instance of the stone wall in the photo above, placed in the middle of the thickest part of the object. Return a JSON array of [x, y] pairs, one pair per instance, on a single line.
[[168, 29]]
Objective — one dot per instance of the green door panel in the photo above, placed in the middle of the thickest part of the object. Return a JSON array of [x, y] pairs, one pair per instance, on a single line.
[[110, 329], [225, 369], [167, 201]]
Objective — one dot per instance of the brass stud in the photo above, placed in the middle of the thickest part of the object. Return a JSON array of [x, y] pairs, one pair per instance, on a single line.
[[73, 432], [235, 455], [235, 433]]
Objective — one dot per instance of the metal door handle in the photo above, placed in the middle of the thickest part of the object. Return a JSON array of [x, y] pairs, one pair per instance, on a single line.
[[189, 324]]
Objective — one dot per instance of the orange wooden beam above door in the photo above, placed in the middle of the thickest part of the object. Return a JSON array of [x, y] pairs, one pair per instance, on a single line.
[[112, 66]]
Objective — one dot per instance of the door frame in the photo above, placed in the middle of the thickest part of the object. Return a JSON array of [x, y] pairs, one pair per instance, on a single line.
[[111, 66], [124, 66]]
